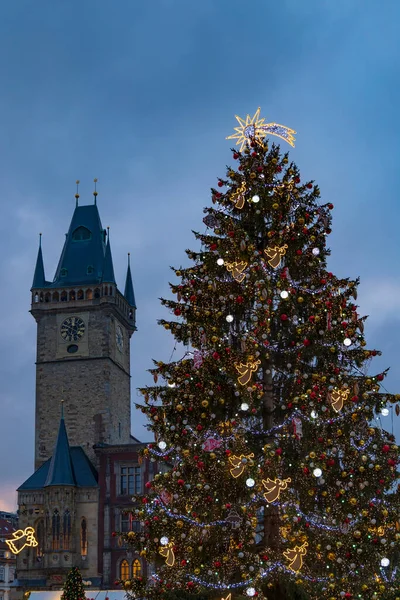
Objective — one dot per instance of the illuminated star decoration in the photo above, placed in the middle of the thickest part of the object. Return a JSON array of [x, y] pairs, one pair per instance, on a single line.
[[254, 129], [227, 598], [21, 539]]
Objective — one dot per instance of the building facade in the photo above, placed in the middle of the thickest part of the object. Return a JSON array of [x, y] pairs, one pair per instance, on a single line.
[[87, 466], [8, 525]]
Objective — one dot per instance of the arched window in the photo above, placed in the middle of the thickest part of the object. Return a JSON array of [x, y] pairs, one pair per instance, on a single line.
[[97, 293], [136, 569], [56, 530], [84, 542], [81, 234], [124, 570], [47, 297], [40, 538], [67, 529], [89, 295], [72, 295], [80, 294], [106, 290], [56, 297], [63, 296]]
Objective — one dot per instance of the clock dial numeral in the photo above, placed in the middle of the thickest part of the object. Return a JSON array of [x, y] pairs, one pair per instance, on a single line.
[[72, 329]]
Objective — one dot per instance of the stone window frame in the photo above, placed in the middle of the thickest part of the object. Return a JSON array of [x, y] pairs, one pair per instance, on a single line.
[[125, 489]]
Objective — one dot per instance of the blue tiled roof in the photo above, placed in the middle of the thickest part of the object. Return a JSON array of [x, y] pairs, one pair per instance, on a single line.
[[85, 474], [60, 470], [108, 269], [83, 257]]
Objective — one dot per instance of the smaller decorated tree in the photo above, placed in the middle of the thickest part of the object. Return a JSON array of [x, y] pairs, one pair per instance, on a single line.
[[73, 588]]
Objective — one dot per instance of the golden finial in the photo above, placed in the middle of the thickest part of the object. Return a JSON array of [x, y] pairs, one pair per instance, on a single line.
[[77, 191], [95, 192]]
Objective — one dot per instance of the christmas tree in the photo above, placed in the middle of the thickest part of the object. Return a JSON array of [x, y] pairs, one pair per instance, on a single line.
[[73, 588], [281, 483]]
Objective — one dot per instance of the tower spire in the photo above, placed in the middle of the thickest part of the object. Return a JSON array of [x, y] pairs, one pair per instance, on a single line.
[[95, 191], [108, 268], [39, 280], [61, 471], [77, 192], [128, 293]]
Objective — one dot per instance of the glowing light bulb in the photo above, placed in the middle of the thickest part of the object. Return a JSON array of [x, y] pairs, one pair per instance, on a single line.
[[171, 384], [347, 342], [229, 318], [255, 199], [244, 406], [384, 412], [162, 445], [250, 482], [385, 562], [313, 414], [250, 592], [284, 294], [220, 262], [315, 251], [164, 541], [317, 472]]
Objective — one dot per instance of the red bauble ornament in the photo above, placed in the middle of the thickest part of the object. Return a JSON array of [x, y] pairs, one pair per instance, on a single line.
[[240, 168], [239, 299], [220, 183], [260, 169], [218, 195], [235, 155], [180, 482], [330, 206], [148, 484], [278, 169], [386, 448], [193, 298], [299, 252], [284, 317], [199, 427], [309, 185], [278, 451], [306, 342], [231, 234], [216, 356], [213, 246], [177, 312], [297, 179], [380, 377]]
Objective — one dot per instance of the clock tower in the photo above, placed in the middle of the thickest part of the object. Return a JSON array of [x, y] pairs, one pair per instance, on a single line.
[[84, 326]]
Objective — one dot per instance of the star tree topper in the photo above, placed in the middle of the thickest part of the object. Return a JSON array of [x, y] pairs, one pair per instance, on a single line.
[[254, 129]]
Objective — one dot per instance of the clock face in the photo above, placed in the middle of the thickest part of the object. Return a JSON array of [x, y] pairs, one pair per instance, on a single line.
[[72, 329], [119, 338]]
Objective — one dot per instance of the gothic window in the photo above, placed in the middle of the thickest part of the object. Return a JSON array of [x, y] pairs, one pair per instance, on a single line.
[[63, 296], [72, 295], [67, 529], [106, 290], [40, 538], [80, 294], [47, 297], [124, 570], [81, 234], [89, 294], [136, 569], [84, 542], [55, 526], [97, 293], [2, 573], [130, 481], [124, 522], [55, 297]]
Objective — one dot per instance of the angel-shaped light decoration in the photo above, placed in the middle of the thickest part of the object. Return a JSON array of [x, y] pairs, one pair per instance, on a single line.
[[274, 488], [21, 539], [168, 553], [239, 464], [238, 196], [338, 397], [236, 270], [295, 556], [275, 255], [246, 370]]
